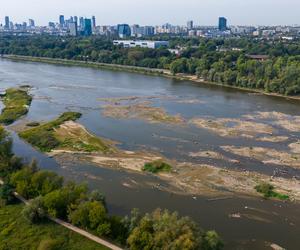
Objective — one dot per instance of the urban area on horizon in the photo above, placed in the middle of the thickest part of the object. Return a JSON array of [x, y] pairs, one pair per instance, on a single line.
[[81, 26]]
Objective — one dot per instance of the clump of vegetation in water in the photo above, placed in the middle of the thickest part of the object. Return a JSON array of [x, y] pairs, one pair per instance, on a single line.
[[43, 136], [156, 167], [33, 124], [17, 102], [268, 191]]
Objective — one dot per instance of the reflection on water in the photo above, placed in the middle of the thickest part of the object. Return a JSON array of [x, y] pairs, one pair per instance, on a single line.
[[59, 88]]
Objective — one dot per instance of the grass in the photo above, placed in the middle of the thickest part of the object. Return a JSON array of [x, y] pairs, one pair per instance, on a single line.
[[52, 135], [17, 233], [43, 136], [268, 191], [156, 167], [16, 103]]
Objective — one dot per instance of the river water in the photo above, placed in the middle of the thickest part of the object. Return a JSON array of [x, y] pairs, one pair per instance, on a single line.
[[59, 88]]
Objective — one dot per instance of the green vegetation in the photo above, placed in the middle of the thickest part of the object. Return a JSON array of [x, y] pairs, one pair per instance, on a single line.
[[74, 137], [268, 191], [156, 167], [16, 103], [43, 136], [17, 233], [50, 195], [223, 61]]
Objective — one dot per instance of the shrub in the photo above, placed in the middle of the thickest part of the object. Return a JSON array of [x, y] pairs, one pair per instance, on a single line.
[[157, 166], [268, 191], [50, 244]]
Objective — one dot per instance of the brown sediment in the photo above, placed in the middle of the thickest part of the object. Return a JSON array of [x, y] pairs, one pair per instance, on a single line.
[[288, 122], [266, 155], [141, 111], [295, 147], [226, 127], [211, 180], [272, 138], [211, 155]]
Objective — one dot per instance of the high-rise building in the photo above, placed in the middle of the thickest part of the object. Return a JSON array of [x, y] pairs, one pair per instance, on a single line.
[[6, 22], [124, 30], [87, 27], [222, 24], [93, 22], [81, 22], [73, 28], [190, 25], [76, 19], [62, 20], [31, 23]]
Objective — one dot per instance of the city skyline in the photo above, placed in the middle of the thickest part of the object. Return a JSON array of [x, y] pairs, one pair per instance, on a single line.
[[133, 11]]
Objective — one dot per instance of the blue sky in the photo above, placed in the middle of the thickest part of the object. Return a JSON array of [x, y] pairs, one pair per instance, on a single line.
[[203, 12]]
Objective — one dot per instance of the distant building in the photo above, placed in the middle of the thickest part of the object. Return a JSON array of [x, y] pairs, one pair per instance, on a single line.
[[222, 24], [51, 25], [73, 29], [124, 30], [190, 25], [87, 27], [31, 23], [81, 22], [76, 19], [62, 20], [93, 22], [141, 44], [6, 26]]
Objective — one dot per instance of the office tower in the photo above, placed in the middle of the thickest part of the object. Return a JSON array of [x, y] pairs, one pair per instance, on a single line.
[[124, 30], [31, 23], [87, 27], [6, 22], [222, 24], [73, 29], [81, 22], [190, 25], [76, 19], [62, 20], [94, 22]]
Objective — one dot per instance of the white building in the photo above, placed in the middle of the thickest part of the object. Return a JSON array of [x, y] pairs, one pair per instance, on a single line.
[[141, 44]]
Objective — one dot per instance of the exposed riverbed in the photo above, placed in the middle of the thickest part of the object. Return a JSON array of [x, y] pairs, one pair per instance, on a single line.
[[188, 125]]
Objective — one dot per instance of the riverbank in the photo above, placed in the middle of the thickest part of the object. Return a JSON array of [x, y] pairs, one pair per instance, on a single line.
[[141, 70]]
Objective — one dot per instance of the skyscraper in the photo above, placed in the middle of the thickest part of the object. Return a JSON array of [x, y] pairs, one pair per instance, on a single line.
[[190, 25], [81, 22], [62, 20], [76, 19], [124, 30], [94, 22], [87, 27], [31, 23], [73, 28], [6, 22], [222, 24]]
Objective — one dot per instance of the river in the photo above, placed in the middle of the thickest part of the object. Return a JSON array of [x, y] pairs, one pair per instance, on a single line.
[[60, 88]]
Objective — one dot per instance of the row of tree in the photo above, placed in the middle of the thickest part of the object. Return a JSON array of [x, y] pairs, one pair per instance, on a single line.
[[50, 195], [224, 61]]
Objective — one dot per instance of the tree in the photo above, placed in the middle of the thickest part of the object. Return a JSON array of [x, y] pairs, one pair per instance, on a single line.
[[212, 241], [165, 230], [34, 212], [6, 194]]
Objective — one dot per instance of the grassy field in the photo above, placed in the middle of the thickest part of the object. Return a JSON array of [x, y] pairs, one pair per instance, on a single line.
[[16, 103], [17, 233]]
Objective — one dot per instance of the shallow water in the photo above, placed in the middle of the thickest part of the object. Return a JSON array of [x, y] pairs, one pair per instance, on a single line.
[[60, 88]]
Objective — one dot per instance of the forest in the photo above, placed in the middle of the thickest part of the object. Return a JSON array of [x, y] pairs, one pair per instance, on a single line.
[[267, 65]]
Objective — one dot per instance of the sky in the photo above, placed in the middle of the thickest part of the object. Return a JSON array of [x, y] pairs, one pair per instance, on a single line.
[[155, 12]]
